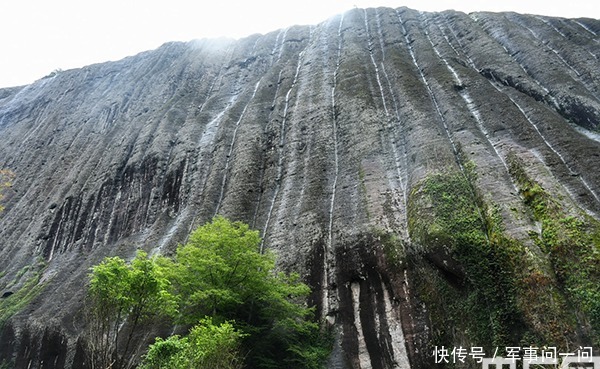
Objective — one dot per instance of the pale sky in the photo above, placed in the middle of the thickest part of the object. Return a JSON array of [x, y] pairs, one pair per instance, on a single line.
[[39, 36]]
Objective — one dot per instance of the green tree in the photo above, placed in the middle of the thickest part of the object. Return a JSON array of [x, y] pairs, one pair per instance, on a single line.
[[207, 346], [223, 275], [220, 270], [121, 297], [241, 311]]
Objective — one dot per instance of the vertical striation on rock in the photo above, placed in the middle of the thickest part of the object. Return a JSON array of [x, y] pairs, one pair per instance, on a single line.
[[345, 143]]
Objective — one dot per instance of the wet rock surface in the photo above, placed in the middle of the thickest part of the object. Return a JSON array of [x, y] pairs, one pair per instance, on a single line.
[[318, 136]]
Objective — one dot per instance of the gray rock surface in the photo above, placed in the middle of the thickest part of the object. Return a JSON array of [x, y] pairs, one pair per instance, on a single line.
[[316, 136]]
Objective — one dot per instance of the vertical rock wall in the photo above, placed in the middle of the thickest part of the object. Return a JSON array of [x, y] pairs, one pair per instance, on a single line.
[[326, 139]]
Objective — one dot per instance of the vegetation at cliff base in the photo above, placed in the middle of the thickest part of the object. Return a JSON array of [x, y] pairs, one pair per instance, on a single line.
[[121, 293], [239, 311], [208, 345]]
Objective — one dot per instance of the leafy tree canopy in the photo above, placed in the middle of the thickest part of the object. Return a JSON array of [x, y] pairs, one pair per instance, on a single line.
[[241, 311], [120, 293], [223, 275], [207, 345]]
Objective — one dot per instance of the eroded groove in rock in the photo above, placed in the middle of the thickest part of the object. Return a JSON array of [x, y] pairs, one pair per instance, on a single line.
[[579, 104], [391, 125]]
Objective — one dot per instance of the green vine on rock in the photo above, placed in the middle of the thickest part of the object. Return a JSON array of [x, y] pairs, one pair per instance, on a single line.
[[28, 290], [572, 242], [473, 262], [497, 291]]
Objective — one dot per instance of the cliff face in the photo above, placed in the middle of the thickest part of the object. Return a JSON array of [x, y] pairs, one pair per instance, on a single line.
[[424, 172]]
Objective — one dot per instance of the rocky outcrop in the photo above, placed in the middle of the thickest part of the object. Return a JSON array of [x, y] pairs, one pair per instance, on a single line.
[[346, 144]]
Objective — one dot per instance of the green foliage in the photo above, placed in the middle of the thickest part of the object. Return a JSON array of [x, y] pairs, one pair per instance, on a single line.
[[474, 262], [223, 275], [392, 247], [458, 221], [140, 288], [207, 345], [214, 346], [122, 293], [507, 295], [26, 293], [292, 343], [109, 287], [166, 353], [572, 243], [220, 284], [220, 269]]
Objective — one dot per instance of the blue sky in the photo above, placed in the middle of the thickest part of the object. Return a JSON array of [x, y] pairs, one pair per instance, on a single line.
[[39, 36]]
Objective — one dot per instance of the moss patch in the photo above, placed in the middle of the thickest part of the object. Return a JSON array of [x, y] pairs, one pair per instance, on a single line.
[[483, 288], [468, 284], [14, 303], [571, 241], [393, 248]]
